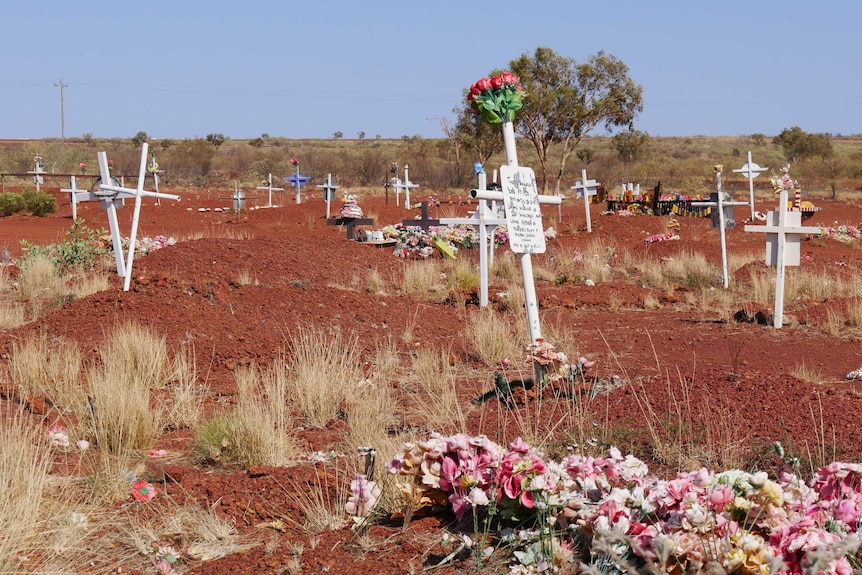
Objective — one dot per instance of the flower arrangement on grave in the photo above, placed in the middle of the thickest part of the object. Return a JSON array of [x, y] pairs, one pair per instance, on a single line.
[[784, 181], [144, 245], [413, 241], [350, 208], [497, 99], [152, 165], [393, 168], [585, 508], [841, 233], [83, 167]]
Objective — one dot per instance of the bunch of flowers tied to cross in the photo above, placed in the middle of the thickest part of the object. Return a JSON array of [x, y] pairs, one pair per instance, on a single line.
[[497, 99]]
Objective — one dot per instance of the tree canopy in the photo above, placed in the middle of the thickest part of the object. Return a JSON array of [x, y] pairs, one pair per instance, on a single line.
[[566, 100], [797, 144]]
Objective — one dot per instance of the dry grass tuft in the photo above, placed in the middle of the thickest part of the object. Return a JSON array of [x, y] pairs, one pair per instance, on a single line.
[[492, 338], [436, 394], [186, 394], [324, 369], [424, 279]]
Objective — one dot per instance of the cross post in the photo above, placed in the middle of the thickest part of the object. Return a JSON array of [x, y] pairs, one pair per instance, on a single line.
[[586, 188], [269, 188], [750, 171], [328, 192], [783, 231]]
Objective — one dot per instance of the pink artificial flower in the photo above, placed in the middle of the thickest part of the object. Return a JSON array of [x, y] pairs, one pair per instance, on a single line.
[[143, 490], [158, 453], [720, 497]]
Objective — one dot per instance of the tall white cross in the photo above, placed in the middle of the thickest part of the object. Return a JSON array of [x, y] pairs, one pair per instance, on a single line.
[[586, 188], [111, 197], [406, 185], [269, 188], [783, 231], [751, 171], [720, 204], [486, 221], [328, 192]]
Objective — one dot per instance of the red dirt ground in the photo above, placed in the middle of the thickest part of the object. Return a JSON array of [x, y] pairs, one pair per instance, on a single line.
[[307, 271]]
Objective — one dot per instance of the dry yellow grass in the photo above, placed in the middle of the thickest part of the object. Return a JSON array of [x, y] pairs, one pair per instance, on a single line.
[[492, 337]]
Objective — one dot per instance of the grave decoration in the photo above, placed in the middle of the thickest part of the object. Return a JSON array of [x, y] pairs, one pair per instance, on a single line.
[[298, 180], [267, 185], [783, 235], [350, 215], [671, 234], [112, 196], [786, 183], [415, 242]]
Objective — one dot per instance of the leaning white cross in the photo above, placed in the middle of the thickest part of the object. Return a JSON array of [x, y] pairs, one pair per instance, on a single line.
[[328, 192], [406, 185], [783, 230], [486, 221], [268, 187], [521, 200], [112, 197], [751, 171], [584, 189]]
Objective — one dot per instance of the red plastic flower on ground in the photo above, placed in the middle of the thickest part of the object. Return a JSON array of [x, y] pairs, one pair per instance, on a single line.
[[143, 490]]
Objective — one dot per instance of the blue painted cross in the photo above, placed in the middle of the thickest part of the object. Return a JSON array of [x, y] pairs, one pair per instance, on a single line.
[[297, 180]]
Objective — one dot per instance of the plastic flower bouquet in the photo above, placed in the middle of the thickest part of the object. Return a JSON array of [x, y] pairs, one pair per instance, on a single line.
[[497, 99]]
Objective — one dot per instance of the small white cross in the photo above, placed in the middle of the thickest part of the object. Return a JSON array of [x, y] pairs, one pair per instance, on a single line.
[[269, 187], [584, 189], [751, 171], [328, 192]]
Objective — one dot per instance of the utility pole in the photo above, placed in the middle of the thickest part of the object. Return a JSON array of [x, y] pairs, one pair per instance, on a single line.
[[62, 112]]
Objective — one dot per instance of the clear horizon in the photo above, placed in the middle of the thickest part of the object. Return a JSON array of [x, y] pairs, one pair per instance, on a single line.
[[302, 70]]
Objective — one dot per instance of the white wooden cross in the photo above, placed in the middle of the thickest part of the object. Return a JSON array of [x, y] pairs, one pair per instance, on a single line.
[[586, 188], [486, 221], [751, 171], [783, 231], [112, 197], [268, 187], [406, 185], [73, 191], [523, 221], [720, 205], [328, 192]]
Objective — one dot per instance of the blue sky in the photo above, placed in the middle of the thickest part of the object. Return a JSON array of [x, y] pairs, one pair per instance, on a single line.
[[308, 69]]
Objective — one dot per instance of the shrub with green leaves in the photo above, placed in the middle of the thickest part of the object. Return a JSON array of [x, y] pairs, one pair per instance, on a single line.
[[39, 203], [11, 203], [80, 249]]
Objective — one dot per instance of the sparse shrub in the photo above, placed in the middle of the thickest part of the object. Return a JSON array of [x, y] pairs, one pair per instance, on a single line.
[[39, 203], [81, 248], [11, 203]]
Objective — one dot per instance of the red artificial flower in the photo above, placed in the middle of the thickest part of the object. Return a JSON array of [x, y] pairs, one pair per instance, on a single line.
[[483, 84], [474, 90], [143, 490], [497, 81]]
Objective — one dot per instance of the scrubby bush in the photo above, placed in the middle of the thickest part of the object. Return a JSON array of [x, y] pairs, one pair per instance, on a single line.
[[11, 203], [39, 203]]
